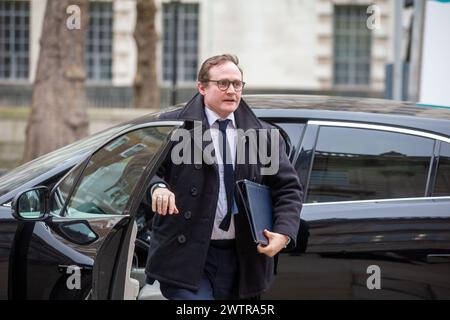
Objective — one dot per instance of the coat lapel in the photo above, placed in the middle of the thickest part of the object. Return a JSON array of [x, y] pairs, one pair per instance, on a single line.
[[194, 111], [245, 120]]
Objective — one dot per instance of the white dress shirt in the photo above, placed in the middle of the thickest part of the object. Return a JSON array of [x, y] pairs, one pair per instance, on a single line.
[[221, 211]]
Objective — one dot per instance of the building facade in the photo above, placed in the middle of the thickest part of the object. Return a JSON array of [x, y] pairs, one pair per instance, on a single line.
[[303, 46]]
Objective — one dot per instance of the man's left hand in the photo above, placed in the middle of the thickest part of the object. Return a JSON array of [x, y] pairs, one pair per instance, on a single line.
[[277, 242]]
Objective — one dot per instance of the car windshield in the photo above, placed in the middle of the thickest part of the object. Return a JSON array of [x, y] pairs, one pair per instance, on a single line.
[[39, 166]]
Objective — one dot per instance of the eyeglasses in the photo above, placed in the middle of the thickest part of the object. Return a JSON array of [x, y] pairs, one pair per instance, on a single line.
[[224, 84]]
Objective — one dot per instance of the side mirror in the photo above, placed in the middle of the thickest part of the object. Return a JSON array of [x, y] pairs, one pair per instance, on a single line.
[[31, 205]]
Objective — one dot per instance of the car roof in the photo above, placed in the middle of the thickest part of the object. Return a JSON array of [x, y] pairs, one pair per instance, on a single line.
[[334, 108], [334, 103], [380, 111]]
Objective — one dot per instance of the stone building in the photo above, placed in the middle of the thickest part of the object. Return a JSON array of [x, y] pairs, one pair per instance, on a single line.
[[285, 46]]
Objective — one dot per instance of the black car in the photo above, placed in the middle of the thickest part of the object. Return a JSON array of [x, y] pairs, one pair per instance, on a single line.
[[375, 222]]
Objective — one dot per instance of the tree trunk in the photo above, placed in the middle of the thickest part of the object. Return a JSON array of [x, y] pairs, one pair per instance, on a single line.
[[58, 111], [146, 89]]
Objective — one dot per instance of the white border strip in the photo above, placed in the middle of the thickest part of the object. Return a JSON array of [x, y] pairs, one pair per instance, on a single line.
[[379, 127]]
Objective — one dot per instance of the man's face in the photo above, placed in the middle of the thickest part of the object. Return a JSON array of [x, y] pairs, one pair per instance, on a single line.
[[221, 102]]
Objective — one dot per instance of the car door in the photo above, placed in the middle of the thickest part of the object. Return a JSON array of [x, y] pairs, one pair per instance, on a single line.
[[80, 251], [368, 228]]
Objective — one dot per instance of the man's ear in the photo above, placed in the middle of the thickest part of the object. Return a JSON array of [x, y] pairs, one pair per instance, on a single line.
[[201, 88]]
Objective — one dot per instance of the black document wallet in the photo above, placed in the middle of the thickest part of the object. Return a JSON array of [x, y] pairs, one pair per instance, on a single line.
[[257, 202]]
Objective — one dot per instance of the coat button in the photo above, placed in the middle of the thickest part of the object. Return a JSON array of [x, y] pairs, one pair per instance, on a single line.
[[198, 166], [188, 214], [194, 191], [181, 238]]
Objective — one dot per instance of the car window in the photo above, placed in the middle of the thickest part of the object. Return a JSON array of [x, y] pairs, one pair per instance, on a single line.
[[442, 187], [362, 164], [110, 176], [30, 170], [294, 132]]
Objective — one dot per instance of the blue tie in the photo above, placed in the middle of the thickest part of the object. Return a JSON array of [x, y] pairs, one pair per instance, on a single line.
[[228, 176]]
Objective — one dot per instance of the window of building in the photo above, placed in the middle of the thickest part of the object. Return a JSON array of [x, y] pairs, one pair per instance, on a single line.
[[14, 39], [352, 46], [99, 41], [442, 187], [187, 41], [362, 164]]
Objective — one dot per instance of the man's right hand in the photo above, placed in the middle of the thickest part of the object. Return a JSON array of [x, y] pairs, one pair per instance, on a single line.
[[163, 201]]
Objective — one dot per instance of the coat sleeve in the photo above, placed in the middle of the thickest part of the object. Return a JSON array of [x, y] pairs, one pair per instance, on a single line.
[[287, 193], [162, 172]]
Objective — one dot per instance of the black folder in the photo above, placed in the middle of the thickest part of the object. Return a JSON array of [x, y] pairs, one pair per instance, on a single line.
[[257, 202]]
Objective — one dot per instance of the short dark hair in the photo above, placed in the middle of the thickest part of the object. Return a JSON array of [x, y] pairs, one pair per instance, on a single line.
[[203, 74]]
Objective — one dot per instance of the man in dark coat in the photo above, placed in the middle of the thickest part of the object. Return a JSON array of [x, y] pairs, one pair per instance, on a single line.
[[201, 246]]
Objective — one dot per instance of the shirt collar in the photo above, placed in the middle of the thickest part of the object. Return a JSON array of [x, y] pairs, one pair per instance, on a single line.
[[213, 117]]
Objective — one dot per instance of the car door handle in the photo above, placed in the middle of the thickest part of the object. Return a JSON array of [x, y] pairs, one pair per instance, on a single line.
[[438, 258]]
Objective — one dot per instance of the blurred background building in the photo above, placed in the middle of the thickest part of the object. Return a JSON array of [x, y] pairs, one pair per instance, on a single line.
[[285, 46]]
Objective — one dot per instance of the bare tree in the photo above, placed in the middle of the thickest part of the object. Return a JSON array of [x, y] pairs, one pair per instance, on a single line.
[[58, 111], [146, 89]]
